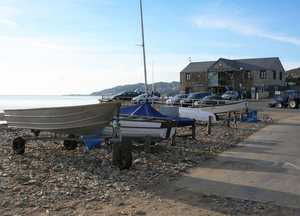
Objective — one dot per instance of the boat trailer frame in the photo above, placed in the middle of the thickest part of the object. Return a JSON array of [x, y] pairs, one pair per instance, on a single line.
[[121, 148]]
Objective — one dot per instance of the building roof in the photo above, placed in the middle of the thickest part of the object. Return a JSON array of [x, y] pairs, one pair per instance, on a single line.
[[294, 73], [272, 63], [234, 65], [198, 66]]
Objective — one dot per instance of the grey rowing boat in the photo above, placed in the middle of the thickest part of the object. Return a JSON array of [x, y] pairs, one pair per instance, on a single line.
[[76, 120]]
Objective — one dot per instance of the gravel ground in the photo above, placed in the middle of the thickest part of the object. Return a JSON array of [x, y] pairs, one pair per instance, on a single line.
[[48, 180]]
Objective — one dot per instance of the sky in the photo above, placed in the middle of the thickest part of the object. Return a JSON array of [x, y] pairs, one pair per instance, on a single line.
[[56, 47]]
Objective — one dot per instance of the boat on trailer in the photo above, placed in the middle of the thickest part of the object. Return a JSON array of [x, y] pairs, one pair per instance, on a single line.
[[204, 112], [72, 125], [141, 121], [224, 106], [75, 120]]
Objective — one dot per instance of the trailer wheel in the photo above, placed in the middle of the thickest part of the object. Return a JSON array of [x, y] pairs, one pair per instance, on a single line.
[[36, 132], [122, 154], [293, 104], [278, 105], [19, 145], [70, 144]]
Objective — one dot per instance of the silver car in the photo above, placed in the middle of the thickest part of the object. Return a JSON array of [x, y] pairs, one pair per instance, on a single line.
[[143, 98]]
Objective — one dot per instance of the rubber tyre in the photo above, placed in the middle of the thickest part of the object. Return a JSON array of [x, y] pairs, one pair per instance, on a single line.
[[70, 144], [293, 104], [19, 145], [122, 154], [279, 105], [36, 132]]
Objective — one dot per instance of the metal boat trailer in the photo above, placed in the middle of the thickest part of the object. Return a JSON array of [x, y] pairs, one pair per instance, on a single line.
[[121, 148]]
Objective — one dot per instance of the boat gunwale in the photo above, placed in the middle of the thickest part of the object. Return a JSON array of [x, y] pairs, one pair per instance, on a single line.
[[218, 105], [63, 128], [64, 122], [118, 104]]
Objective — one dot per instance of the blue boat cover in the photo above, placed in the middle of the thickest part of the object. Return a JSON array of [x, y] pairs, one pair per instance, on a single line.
[[91, 142], [147, 110]]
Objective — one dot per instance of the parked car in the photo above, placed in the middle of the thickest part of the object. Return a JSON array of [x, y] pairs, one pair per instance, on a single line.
[[192, 98], [210, 100], [288, 98], [176, 99], [125, 96], [143, 98], [231, 95]]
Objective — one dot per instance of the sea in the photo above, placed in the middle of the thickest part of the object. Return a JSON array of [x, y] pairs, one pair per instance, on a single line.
[[38, 101]]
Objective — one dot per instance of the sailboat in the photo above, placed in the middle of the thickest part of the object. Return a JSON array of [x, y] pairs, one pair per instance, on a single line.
[[142, 120]]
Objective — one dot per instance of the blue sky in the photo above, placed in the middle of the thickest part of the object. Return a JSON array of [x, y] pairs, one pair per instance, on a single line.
[[80, 46]]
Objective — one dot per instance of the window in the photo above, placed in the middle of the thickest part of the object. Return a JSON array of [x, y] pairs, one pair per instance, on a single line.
[[274, 75], [280, 75], [262, 74], [188, 76], [248, 75]]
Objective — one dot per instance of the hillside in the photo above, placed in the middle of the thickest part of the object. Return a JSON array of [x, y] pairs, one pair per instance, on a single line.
[[164, 88]]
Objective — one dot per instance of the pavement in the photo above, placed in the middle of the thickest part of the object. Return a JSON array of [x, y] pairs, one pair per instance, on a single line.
[[265, 168]]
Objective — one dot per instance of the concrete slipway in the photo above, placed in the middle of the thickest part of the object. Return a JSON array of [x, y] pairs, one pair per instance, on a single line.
[[265, 167]]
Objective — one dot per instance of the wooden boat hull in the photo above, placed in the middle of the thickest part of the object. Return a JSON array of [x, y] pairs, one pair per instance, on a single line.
[[77, 120]]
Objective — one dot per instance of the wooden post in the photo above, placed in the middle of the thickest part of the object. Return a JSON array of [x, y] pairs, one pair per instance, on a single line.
[[228, 119], [147, 145], [235, 119], [194, 130], [209, 125], [173, 140]]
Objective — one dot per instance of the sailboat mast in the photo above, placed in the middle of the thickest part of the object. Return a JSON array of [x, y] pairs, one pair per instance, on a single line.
[[143, 45]]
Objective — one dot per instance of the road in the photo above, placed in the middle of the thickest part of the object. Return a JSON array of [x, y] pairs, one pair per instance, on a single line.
[[265, 167]]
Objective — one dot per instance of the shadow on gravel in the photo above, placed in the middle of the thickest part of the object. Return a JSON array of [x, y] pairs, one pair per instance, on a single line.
[[260, 150], [235, 163], [287, 124], [260, 142], [240, 199]]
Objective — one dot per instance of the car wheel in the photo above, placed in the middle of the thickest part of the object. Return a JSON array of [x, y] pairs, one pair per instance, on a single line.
[[293, 104]]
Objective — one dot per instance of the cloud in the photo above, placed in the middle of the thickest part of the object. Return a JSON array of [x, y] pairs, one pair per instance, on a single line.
[[8, 16], [53, 66], [8, 22], [288, 65], [243, 27]]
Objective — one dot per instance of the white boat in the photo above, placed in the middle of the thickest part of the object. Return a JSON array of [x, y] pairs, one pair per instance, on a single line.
[[227, 106], [196, 113], [202, 112], [76, 120], [142, 127]]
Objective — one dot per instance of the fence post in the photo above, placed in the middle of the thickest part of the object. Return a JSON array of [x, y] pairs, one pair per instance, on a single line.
[[235, 119], [194, 130], [228, 119], [209, 125]]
